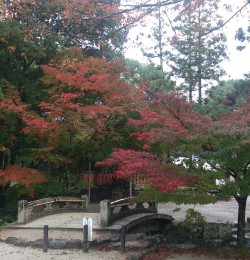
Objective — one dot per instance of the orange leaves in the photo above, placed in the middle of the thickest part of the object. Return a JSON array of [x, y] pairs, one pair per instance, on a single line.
[[12, 101], [236, 124], [169, 119], [2, 40], [66, 98], [11, 49], [89, 75], [37, 126], [96, 76], [22, 175], [167, 123], [86, 97]]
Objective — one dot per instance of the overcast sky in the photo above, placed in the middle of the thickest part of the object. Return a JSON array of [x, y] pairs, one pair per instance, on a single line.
[[239, 61]]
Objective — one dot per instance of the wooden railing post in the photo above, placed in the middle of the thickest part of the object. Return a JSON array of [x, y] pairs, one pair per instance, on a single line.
[[123, 238], [45, 238], [85, 238]]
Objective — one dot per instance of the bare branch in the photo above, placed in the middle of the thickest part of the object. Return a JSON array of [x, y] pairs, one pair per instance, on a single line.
[[171, 24], [130, 8], [227, 21], [171, 112]]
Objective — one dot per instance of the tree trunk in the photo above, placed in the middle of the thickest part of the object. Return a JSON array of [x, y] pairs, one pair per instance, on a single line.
[[199, 85], [160, 41], [241, 229], [199, 62], [190, 91]]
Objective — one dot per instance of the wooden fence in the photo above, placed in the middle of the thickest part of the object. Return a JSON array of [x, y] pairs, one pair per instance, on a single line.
[[105, 178]]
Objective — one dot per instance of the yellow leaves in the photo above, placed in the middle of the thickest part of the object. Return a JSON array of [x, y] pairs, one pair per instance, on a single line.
[[101, 44], [13, 138], [66, 14], [2, 148], [2, 40], [23, 55], [11, 48]]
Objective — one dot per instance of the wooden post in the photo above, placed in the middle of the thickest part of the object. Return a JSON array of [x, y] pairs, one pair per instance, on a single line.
[[85, 239], [45, 238], [130, 188], [123, 238]]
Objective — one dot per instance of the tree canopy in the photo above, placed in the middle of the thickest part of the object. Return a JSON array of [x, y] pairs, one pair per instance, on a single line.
[[68, 97]]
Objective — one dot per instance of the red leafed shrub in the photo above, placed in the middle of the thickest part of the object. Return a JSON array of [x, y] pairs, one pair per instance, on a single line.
[[24, 176]]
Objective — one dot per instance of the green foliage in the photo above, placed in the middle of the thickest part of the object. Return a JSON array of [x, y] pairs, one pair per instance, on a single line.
[[79, 24], [9, 197], [194, 217], [214, 103], [52, 187], [224, 97], [1, 93], [78, 187], [157, 80], [6, 219], [21, 55], [243, 37]]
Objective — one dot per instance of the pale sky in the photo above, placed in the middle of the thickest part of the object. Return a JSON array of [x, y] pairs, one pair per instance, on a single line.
[[239, 61]]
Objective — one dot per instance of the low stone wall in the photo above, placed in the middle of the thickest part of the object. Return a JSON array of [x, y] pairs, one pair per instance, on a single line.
[[28, 211], [112, 211], [213, 234]]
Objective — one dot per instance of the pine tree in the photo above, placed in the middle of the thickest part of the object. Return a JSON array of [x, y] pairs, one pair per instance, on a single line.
[[197, 51]]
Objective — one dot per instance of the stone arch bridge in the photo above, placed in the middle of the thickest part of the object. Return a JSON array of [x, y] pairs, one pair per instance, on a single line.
[[112, 216]]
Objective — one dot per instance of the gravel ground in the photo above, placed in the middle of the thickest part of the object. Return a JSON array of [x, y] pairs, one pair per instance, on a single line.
[[10, 252], [219, 212]]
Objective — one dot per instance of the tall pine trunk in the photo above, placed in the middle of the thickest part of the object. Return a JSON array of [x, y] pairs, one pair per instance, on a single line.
[[241, 229]]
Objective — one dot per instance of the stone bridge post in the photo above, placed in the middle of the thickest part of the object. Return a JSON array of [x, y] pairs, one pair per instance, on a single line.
[[105, 212], [86, 197], [22, 211]]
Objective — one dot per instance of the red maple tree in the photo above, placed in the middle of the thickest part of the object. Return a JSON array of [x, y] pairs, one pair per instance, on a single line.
[[132, 164], [166, 122], [12, 106], [85, 99]]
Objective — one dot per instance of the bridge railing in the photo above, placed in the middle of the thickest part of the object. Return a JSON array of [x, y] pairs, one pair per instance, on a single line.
[[28, 211], [112, 211]]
